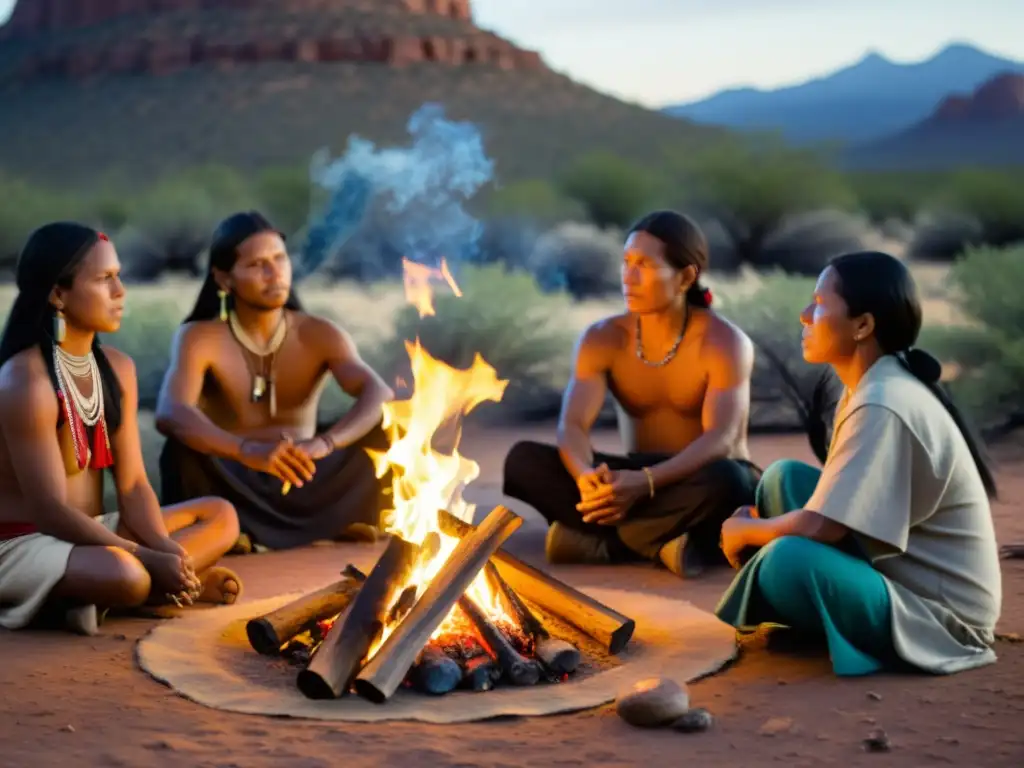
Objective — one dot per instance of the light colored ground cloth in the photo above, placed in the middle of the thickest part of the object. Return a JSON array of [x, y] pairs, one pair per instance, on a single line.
[[205, 657]]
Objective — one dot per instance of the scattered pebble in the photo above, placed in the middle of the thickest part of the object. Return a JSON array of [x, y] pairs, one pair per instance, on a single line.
[[776, 725], [874, 696], [68, 729], [653, 702], [877, 741], [120, 637], [694, 721]]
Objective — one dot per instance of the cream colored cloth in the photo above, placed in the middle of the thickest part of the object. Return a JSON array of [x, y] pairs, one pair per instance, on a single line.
[[901, 477], [30, 567]]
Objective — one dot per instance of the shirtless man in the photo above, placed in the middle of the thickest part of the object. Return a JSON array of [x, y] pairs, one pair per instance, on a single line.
[[239, 402], [680, 376], [69, 410]]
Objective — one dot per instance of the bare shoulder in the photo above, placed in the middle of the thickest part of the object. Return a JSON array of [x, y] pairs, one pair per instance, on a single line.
[[608, 335], [321, 333], [727, 343], [197, 333], [25, 382], [121, 362]]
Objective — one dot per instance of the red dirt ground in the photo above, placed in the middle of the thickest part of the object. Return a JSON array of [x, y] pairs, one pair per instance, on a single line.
[[84, 701]]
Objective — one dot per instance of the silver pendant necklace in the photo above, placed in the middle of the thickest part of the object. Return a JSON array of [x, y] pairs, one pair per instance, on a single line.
[[263, 379], [671, 353]]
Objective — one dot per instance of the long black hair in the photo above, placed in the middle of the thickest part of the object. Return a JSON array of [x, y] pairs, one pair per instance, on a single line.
[[685, 246], [880, 284], [227, 237], [50, 258]]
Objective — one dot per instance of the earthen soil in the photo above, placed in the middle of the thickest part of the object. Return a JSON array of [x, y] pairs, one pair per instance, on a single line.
[[84, 701]]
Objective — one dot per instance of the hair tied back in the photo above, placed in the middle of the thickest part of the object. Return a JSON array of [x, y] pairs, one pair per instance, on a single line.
[[923, 365]]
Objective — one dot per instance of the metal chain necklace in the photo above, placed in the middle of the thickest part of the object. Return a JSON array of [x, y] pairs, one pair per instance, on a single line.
[[671, 353], [72, 368]]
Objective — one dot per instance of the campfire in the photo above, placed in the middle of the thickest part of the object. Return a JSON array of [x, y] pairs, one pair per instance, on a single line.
[[444, 607]]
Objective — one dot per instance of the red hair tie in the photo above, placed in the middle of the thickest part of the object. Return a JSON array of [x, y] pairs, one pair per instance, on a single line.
[[708, 297], [102, 236]]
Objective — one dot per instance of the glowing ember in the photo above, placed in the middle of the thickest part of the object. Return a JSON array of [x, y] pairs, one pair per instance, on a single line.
[[425, 480]]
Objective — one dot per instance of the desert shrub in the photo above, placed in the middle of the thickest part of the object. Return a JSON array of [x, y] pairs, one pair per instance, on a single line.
[[27, 206], [751, 187], [804, 243], [505, 317], [885, 196], [533, 199], [507, 240], [988, 356], [612, 191], [995, 199], [578, 258], [169, 224], [285, 195], [784, 387], [943, 236]]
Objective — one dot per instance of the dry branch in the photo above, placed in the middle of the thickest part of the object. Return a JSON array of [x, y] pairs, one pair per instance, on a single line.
[[606, 625]]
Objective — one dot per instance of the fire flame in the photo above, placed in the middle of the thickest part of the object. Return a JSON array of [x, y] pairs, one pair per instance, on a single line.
[[424, 479]]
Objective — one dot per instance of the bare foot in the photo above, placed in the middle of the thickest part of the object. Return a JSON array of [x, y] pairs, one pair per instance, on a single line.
[[220, 585]]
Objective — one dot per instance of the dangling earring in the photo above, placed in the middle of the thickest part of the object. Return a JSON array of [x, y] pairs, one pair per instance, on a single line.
[[59, 327], [223, 305]]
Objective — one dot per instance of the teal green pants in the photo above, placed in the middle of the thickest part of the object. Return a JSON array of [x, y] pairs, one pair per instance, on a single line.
[[812, 588]]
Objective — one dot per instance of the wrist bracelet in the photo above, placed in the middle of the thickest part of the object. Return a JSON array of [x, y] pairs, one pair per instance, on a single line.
[[650, 480]]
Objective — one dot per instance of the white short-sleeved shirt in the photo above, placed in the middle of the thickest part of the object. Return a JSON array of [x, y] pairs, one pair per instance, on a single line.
[[900, 476]]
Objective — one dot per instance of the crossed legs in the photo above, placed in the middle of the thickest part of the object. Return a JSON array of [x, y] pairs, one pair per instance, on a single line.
[[110, 577]]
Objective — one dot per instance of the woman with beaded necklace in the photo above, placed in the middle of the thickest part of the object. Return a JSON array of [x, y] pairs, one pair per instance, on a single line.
[[68, 411]]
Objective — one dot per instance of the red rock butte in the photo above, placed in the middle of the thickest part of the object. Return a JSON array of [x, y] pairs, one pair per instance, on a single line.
[[998, 98], [83, 38]]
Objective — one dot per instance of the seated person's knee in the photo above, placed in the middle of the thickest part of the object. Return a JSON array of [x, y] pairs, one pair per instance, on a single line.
[[129, 583], [787, 562], [524, 460], [222, 513]]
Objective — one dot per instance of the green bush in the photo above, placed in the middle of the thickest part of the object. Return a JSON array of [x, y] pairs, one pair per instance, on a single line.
[[988, 355], [25, 207], [751, 188], [286, 197], [504, 317], [536, 199], [169, 225], [783, 386], [612, 191]]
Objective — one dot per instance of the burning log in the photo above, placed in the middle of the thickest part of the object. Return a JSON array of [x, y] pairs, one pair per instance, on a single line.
[[435, 672], [267, 634], [556, 655], [520, 670], [609, 627], [383, 674], [340, 656], [480, 673]]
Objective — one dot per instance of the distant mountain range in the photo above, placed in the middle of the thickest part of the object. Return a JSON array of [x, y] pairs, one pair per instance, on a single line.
[[870, 100], [983, 128]]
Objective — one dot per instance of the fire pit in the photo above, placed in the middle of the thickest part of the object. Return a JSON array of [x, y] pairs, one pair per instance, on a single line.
[[472, 627]]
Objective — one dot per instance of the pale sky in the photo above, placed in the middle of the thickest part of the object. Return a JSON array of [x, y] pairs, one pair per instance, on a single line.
[[657, 52]]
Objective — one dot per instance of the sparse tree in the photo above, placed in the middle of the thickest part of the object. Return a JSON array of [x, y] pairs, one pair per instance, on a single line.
[[751, 187], [612, 191]]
